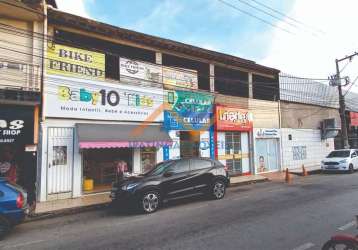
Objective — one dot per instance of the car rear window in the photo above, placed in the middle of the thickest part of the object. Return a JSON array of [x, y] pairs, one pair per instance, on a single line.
[[340, 153], [197, 164]]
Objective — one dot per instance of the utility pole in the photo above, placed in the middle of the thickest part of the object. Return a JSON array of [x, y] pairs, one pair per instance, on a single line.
[[342, 105]]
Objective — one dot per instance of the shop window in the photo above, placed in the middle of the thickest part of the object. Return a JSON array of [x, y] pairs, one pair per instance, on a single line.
[[148, 158], [197, 164], [180, 167]]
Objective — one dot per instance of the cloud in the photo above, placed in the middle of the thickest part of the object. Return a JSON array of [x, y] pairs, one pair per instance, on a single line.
[[76, 7], [162, 19], [308, 55]]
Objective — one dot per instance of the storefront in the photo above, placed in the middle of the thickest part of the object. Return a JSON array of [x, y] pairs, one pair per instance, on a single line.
[[188, 119], [233, 129], [18, 130], [267, 150], [91, 127]]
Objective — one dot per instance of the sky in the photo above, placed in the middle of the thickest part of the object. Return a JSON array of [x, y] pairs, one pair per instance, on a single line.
[[305, 42]]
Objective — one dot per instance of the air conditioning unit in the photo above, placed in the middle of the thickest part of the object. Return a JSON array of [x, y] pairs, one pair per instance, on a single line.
[[329, 128]]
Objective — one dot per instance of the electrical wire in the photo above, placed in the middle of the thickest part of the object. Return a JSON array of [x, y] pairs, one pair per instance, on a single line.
[[286, 16], [254, 16]]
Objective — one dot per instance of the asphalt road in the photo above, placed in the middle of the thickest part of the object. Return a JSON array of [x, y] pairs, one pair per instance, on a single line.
[[262, 216]]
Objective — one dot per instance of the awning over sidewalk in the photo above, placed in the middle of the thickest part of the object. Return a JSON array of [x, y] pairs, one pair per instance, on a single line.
[[121, 136]]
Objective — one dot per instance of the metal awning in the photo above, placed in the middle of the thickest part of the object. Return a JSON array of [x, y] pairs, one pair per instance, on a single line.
[[121, 136]]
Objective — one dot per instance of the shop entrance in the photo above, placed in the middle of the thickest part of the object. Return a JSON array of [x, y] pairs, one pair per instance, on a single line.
[[233, 148], [99, 167], [189, 144]]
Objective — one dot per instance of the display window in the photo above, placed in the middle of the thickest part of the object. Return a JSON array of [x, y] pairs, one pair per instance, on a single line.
[[100, 167]]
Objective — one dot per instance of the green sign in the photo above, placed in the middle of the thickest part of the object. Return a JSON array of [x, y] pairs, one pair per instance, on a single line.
[[192, 102], [188, 110]]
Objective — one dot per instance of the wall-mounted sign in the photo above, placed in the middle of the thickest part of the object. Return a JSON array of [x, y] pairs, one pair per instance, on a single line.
[[354, 118], [183, 78], [188, 110], [233, 119], [16, 124], [267, 133], [135, 70], [69, 61], [86, 99]]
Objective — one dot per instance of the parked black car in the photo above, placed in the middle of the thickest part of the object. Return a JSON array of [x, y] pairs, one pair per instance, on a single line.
[[172, 179]]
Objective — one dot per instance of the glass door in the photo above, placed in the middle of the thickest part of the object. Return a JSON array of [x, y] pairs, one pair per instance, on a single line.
[[233, 152]]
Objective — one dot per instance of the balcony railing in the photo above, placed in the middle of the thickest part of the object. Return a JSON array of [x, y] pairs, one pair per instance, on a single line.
[[18, 75]]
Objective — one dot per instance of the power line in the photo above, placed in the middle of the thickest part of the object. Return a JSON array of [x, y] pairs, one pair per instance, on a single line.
[[286, 16], [254, 16], [271, 15]]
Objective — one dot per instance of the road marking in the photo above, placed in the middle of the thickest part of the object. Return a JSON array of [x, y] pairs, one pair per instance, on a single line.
[[305, 246], [23, 244], [347, 226]]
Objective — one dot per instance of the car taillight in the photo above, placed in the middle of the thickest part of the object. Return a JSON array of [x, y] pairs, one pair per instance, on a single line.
[[20, 201]]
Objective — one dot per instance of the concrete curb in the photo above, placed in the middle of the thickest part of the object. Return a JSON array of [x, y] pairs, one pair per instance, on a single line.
[[66, 211], [248, 182], [309, 172]]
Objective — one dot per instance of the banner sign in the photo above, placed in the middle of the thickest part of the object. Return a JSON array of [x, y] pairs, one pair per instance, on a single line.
[[136, 70], [183, 78], [267, 133], [233, 119], [85, 99], [16, 124], [188, 110], [69, 61], [354, 118]]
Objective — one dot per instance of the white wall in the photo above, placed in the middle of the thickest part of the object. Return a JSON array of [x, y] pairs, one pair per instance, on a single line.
[[316, 149]]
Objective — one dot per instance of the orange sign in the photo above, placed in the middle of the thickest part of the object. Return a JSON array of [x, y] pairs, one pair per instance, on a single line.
[[233, 119]]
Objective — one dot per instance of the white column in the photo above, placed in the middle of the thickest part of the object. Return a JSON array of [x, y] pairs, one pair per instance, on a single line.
[[159, 155], [136, 161], [158, 57], [251, 92], [77, 168], [42, 166], [212, 77]]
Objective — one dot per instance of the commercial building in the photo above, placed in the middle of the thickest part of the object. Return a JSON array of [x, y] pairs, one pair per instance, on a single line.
[[310, 121], [21, 52]]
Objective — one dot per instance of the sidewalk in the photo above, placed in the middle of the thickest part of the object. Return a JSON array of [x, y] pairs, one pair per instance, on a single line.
[[68, 206], [247, 179]]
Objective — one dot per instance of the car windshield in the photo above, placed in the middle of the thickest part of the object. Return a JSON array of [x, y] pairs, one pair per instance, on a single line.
[[339, 154], [159, 168]]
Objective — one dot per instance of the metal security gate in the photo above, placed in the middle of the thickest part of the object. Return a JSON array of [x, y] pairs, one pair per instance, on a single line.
[[59, 163]]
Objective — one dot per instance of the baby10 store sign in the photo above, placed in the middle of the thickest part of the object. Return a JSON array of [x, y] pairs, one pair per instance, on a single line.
[[188, 110], [86, 99]]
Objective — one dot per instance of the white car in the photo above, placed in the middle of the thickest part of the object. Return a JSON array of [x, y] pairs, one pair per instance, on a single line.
[[341, 160]]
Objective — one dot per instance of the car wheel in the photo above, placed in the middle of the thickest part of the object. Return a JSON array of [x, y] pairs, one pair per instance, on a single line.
[[218, 190], [150, 202], [4, 227], [351, 169]]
